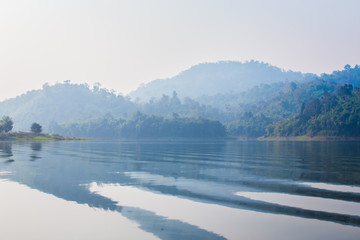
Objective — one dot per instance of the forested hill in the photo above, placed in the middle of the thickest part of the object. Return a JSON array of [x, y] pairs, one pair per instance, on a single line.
[[63, 103], [71, 103], [302, 109], [67, 103], [276, 109], [336, 114], [216, 78]]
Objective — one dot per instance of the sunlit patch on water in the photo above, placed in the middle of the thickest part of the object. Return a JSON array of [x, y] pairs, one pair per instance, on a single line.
[[4, 173], [305, 202], [332, 187]]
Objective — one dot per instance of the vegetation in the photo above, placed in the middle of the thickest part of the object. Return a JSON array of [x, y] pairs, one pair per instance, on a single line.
[[249, 125], [335, 114], [325, 106], [35, 128], [67, 103], [150, 126], [211, 79], [300, 105], [64, 103], [32, 136], [6, 124], [144, 126]]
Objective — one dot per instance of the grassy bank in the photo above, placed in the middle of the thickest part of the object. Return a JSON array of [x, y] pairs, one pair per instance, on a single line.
[[18, 136]]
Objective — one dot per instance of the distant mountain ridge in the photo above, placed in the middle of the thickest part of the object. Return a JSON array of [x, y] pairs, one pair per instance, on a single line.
[[247, 113], [216, 78]]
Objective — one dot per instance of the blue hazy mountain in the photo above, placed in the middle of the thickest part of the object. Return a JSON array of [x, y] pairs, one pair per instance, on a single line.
[[246, 112], [216, 78], [210, 90], [63, 102]]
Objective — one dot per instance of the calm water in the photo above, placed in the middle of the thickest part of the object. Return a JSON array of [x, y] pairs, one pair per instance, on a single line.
[[179, 190]]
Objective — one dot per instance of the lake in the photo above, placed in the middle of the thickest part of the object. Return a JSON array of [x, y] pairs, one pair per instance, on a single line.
[[179, 190]]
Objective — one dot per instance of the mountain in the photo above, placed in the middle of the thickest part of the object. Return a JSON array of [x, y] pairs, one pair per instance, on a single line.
[[335, 114], [97, 111], [69, 103], [326, 106], [63, 103], [216, 78]]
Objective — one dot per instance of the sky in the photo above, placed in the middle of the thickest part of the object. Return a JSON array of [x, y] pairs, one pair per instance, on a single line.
[[121, 44]]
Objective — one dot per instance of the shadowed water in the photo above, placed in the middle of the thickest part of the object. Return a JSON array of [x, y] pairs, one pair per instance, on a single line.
[[201, 189]]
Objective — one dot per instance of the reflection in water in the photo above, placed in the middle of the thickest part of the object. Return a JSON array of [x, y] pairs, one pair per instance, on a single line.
[[166, 228], [312, 203], [170, 207], [36, 148], [203, 174], [41, 216], [230, 223], [6, 151], [332, 187]]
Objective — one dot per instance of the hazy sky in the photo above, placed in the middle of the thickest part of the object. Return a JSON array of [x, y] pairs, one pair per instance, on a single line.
[[124, 43]]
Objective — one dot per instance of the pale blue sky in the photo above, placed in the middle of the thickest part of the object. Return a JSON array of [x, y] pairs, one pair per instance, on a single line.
[[124, 43]]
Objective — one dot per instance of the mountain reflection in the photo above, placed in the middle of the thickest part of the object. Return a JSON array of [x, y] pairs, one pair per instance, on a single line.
[[211, 171]]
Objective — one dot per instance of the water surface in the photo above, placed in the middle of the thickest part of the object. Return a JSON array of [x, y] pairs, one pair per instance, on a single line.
[[180, 190]]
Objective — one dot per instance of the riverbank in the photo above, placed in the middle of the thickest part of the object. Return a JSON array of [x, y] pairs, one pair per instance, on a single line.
[[25, 136], [309, 138]]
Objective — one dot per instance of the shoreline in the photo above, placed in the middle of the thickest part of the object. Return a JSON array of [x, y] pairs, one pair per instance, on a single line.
[[26, 136], [309, 139]]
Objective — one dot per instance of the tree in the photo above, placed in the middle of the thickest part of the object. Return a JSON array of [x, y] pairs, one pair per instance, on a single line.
[[36, 128], [6, 124]]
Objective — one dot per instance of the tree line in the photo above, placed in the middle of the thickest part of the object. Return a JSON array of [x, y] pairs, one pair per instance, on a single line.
[[144, 126], [6, 125]]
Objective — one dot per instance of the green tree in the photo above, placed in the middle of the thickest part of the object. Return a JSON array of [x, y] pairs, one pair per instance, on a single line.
[[6, 124], [36, 128]]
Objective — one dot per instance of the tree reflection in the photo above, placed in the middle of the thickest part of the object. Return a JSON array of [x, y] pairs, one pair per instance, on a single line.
[[36, 146], [6, 151], [36, 149]]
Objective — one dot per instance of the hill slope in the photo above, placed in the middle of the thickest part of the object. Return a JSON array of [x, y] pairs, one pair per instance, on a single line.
[[325, 106], [62, 103], [331, 115], [216, 78]]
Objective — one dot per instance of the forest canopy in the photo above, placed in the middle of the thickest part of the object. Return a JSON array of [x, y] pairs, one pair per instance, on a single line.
[[325, 105], [144, 126]]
